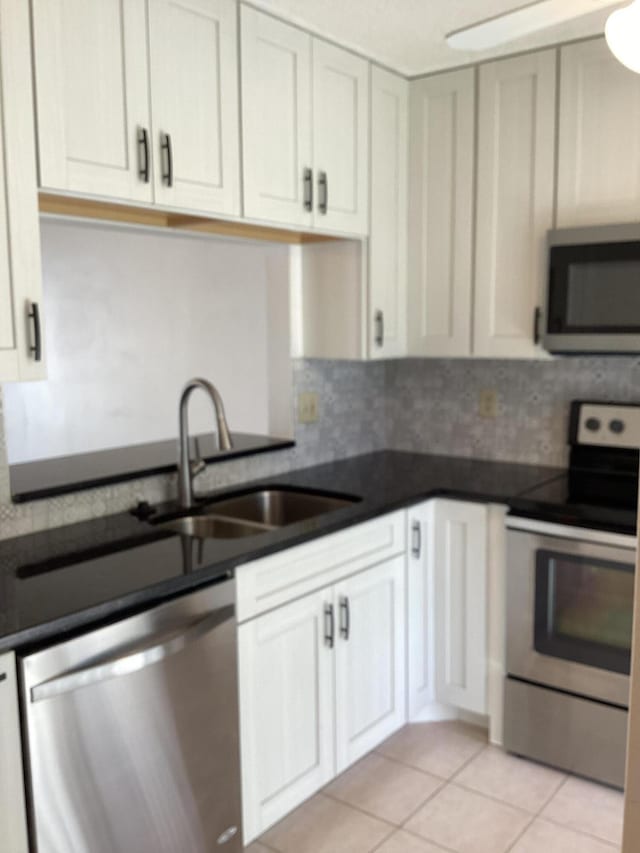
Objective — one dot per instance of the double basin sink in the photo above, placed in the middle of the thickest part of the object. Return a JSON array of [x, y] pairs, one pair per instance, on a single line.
[[256, 512]]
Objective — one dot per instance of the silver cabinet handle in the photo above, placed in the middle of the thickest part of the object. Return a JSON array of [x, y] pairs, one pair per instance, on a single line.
[[166, 148], [36, 348], [378, 319], [345, 618], [329, 626], [128, 664], [323, 192], [416, 538], [308, 189], [143, 154]]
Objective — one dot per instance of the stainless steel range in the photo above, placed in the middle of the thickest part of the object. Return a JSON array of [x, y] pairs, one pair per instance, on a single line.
[[571, 554]]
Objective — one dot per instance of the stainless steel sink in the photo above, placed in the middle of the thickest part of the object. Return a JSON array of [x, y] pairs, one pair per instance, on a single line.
[[213, 527], [253, 513], [279, 507]]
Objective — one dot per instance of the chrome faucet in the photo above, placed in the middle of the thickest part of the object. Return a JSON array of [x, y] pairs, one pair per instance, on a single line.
[[187, 469]]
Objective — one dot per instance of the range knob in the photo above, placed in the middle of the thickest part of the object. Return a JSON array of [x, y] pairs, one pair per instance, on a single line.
[[593, 424], [616, 426]]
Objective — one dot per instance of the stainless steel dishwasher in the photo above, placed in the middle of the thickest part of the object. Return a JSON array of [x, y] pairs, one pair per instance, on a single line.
[[132, 733]]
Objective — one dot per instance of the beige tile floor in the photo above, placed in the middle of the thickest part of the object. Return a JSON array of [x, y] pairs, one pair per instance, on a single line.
[[440, 788]]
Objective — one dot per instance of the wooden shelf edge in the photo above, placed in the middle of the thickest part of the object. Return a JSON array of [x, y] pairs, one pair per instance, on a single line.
[[61, 205]]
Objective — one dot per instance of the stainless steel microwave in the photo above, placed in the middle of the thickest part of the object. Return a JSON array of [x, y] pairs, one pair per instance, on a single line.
[[593, 295]]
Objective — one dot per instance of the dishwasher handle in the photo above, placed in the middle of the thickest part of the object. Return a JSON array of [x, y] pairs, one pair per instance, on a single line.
[[132, 662]]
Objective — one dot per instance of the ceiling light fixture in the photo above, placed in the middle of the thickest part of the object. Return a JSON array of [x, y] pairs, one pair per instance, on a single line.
[[523, 21], [622, 32]]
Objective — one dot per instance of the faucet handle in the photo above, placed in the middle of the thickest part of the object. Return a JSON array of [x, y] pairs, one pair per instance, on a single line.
[[197, 464]]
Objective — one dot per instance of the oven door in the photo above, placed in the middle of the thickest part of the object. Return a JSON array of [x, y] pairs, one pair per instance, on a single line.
[[593, 302], [570, 611]]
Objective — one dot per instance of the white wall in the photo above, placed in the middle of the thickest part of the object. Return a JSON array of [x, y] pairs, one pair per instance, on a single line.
[[130, 317]]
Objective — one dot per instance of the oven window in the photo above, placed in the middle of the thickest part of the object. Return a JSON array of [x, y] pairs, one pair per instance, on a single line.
[[584, 610], [595, 289]]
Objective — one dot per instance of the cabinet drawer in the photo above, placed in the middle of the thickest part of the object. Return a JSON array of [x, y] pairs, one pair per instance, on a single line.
[[272, 581]]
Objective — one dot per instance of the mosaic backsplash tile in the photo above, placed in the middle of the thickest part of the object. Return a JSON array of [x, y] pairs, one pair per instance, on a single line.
[[432, 404], [427, 405]]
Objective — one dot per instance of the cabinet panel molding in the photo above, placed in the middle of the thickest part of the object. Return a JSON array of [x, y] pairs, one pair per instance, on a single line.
[[276, 119], [599, 138], [441, 214], [516, 158], [388, 230]]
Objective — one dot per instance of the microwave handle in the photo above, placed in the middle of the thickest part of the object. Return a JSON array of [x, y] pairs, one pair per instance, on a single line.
[[537, 316]]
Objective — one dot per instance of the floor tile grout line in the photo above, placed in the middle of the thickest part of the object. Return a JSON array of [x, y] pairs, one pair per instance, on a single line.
[[496, 799], [560, 785], [468, 762], [410, 766], [323, 793], [521, 833], [427, 840], [579, 831], [384, 840]]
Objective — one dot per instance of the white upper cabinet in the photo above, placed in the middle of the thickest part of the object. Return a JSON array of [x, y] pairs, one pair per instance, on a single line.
[[139, 108], [194, 101], [21, 332], [91, 72], [516, 148], [599, 138], [340, 139], [305, 111], [388, 229], [441, 214], [276, 120]]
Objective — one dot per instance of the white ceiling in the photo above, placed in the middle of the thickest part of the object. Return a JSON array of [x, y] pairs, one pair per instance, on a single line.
[[408, 35]]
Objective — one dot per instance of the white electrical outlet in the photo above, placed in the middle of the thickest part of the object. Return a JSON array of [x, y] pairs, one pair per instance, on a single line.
[[307, 407], [488, 403]]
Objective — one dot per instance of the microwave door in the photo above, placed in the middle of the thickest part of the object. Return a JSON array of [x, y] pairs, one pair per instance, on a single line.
[[593, 300]]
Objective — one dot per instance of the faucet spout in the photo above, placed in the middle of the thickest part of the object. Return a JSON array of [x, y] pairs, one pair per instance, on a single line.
[[186, 471]]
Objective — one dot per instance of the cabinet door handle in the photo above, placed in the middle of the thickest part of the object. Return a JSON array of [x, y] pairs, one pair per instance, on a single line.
[[329, 626], [36, 347], [537, 316], [167, 149], [345, 618], [323, 192], [416, 538], [378, 319], [308, 189], [143, 154]]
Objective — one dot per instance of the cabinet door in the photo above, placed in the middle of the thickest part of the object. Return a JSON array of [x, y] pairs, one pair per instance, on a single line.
[[276, 120], [460, 578], [370, 659], [20, 269], [420, 610], [194, 100], [91, 71], [441, 214], [388, 237], [340, 139], [286, 710], [599, 138], [516, 139], [13, 819]]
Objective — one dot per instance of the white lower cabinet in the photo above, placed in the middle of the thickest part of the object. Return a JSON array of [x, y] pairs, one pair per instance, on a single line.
[[287, 709], [370, 660], [321, 677], [447, 607], [12, 804]]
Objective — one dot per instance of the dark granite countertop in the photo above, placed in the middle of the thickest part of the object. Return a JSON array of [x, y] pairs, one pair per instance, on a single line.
[[69, 578]]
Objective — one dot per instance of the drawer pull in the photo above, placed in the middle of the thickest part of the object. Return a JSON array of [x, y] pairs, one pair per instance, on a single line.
[[329, 626]]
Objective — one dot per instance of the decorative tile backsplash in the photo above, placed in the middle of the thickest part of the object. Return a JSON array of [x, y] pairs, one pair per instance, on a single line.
[[428, 405], [432, 404]]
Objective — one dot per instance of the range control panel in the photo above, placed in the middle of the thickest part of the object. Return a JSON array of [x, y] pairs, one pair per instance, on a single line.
[[606, 424]]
